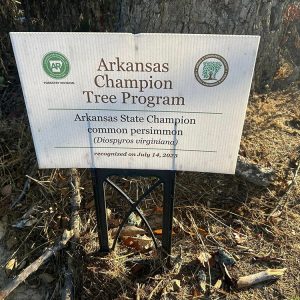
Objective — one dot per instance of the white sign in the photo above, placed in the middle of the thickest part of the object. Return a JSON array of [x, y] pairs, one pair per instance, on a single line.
[[146, 101]]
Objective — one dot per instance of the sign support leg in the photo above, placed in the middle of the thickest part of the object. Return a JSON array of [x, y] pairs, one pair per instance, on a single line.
[[167, 178], [168, 208], [100, 205]]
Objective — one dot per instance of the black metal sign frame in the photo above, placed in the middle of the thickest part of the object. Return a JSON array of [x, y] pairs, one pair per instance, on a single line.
[[164, 177]]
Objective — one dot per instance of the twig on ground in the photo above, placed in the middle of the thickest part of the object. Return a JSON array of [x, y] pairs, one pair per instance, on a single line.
[[284, 199], [155, 289], [253, 279], [25, 189], [67, 235]]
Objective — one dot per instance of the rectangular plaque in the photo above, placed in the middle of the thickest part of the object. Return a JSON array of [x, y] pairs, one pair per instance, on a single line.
[[145, 101]]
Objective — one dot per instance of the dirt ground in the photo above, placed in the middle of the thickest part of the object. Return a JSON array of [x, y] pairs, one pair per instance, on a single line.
[[258, 227]]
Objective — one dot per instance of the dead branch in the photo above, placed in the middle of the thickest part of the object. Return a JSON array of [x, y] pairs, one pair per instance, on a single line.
[[71, 274], [254, 173], [253, 279], [75, 202], [67, 235]]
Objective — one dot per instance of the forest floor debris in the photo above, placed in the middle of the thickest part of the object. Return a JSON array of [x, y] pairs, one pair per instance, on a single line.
[[255, 228]]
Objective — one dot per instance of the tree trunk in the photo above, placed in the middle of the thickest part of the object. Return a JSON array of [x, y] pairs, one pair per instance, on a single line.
[[264, 18], [267, 18]]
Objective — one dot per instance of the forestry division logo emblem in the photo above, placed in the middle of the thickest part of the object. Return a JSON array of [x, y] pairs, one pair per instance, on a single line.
[[211, 70], [56, 65]]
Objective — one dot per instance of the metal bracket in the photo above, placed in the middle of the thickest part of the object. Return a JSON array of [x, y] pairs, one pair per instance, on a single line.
[[166, 178]]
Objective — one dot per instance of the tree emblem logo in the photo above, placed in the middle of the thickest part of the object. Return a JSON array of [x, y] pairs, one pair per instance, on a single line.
[[211, 70], [56, 65]]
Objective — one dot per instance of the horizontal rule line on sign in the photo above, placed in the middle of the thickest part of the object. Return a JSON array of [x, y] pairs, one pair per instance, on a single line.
[[142, 110], [190, 150]]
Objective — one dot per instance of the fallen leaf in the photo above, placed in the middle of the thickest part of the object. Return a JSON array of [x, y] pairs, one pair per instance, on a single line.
[[200, 230], [134, 219], [6, 190], [127, 231], [203, 258], [218, 284], [196, 293], [47, 278], [158, 209], [10, 266], [203, 286], [139, 243], [240, 239], [253, 279], [160, 232]]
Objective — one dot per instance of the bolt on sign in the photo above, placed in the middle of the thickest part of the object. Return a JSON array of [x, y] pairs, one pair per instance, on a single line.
[[145, 101]]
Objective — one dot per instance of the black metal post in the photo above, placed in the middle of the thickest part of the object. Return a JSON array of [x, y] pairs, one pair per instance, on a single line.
[[167, 178], [100, 205], [168, 207]]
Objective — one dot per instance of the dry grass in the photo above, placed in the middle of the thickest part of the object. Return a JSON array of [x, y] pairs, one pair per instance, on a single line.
[[210, 210]]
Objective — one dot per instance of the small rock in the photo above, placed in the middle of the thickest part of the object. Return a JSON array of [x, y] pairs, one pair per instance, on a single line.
[[225, 258], [253, 173]]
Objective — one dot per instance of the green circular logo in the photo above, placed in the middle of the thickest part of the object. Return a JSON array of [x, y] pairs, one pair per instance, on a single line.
[[56, 65], [211, 70]]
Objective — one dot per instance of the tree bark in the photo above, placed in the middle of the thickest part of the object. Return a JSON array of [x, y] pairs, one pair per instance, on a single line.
[[266, 18], [256, 17]]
